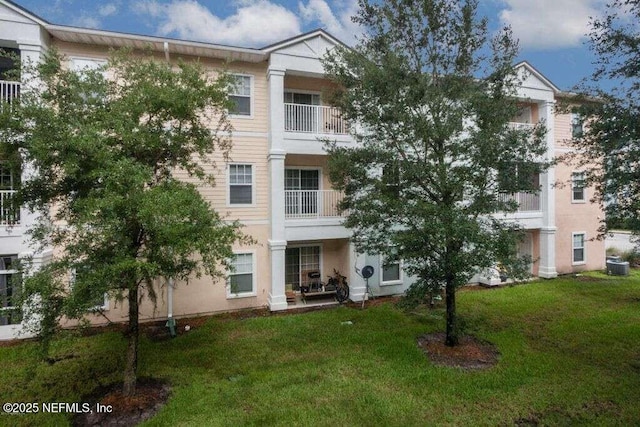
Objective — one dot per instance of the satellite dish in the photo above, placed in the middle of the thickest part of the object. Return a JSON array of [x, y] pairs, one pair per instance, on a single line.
[[367, 271]]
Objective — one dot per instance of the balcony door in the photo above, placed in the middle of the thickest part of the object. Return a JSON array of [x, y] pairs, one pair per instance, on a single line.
[[299, 261], [301, 111], [301, 192]]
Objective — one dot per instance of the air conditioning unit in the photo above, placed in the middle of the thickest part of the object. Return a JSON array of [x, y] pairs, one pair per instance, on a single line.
[[618, 268]]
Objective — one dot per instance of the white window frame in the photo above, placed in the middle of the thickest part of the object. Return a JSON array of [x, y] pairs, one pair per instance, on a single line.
[[398, 281], [573, 187], [8, 272], [98, 62], [105, 304], [254, 274], [251, 96], [575, 119], [584, 248], [320, 256], [306, 168], [303, 92], [253, 186]]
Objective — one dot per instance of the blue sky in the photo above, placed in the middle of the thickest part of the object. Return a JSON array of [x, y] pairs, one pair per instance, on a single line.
[[551, 32]]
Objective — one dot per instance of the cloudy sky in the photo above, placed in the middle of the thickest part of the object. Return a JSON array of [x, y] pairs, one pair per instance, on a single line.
[[551, 32]]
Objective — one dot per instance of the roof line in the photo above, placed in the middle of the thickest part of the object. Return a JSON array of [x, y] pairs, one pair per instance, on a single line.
[[539, 75], [283, 43], [142, 37], [26, 12]]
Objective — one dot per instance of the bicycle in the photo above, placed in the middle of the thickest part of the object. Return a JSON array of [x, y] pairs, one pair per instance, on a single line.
[[335, 284]]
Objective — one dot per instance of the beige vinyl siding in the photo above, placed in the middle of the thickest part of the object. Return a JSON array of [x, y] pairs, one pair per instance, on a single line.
[[246, 150], [258, 121], [562, 130], [260, 98]]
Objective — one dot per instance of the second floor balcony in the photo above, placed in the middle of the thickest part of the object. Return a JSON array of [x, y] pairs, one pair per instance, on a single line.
[[314, 119], [312, 204]]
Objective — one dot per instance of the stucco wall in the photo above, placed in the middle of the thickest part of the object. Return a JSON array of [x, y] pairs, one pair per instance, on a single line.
[[573, 217]]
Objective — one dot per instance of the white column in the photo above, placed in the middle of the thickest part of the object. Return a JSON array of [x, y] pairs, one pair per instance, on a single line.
[[357, 286], [30, 55], [547, 268], [277, 242]]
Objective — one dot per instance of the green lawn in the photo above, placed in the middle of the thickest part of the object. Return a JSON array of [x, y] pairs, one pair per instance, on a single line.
[[570, 354]]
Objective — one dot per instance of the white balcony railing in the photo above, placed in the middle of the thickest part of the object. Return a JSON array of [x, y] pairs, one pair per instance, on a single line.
[[527, 202], [9, 213], [9, 90], [521, 126], [314, 119], [312, 204]]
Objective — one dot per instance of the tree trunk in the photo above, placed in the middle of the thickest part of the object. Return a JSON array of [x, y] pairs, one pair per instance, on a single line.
[[452, 321], [131, 363]]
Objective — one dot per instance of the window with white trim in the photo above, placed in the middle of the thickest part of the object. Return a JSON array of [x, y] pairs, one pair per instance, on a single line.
[[391, 271], [240, 95], [83, 66], [577, 125], [577, 187], [240, 184], [578, 247], [9, 313], [100, 301], [242, 275]]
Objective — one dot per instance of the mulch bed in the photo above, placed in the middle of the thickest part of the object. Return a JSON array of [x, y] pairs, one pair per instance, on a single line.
[[151, 395], [470, 354]]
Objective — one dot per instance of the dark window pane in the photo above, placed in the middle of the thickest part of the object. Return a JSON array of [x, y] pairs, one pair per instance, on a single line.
[[391, 272], [578, 255], [240, 194], [241, 283], [241, 105]]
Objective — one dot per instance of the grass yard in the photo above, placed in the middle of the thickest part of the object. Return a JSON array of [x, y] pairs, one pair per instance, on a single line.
[[570, 354]]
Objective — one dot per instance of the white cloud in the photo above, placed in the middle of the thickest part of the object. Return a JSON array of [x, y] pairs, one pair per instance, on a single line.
[[255, 23], [86, 21], [108, 9], [337, 23], [549, 24]]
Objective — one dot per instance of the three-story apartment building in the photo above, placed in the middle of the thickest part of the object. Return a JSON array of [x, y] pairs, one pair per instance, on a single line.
[[276, 182]]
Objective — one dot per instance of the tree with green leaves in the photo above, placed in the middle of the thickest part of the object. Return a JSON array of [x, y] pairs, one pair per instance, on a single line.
[[431, 96], [610, 105], [105, 145]]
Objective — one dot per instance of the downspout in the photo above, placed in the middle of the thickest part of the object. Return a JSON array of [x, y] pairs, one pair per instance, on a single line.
[[166, 52], [171, 322]]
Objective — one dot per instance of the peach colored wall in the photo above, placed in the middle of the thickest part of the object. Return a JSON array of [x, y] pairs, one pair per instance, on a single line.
[[335, 255], [535, 236], [574, 217], [202, 295]]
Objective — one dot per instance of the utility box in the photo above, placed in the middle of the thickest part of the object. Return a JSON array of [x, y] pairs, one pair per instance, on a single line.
[[618, 268]]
